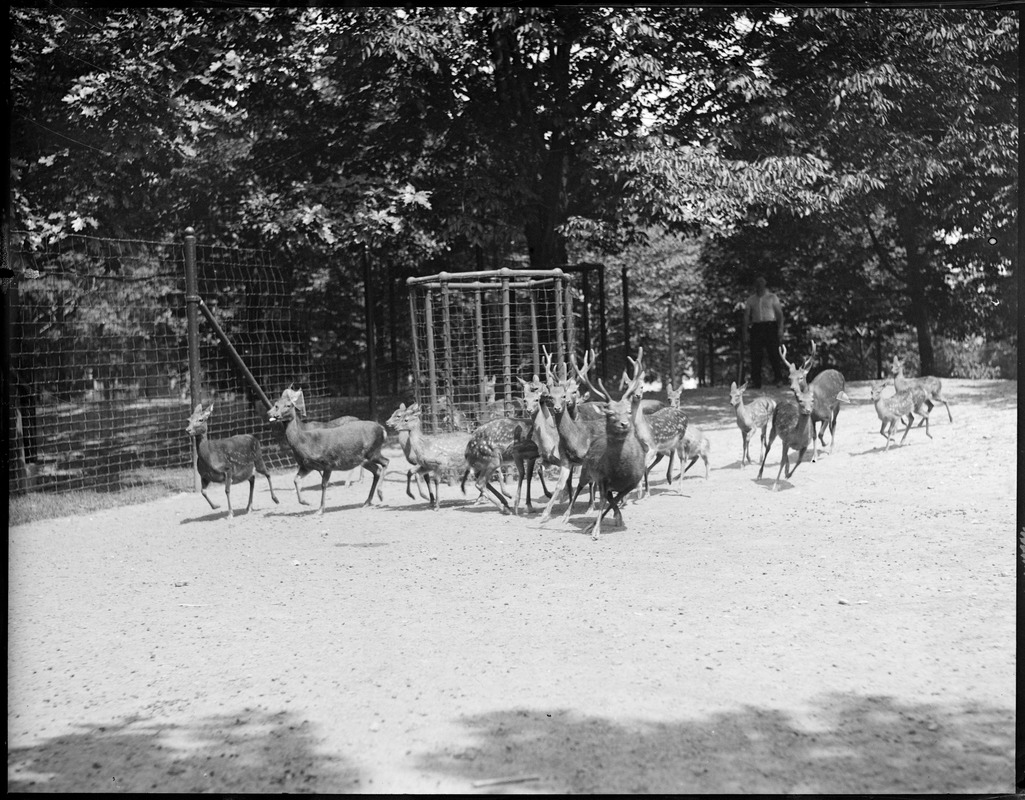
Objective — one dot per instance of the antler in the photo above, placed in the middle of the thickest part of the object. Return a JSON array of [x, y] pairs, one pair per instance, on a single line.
[[549, 374], [581, 371], [638, 376], [807, 362]]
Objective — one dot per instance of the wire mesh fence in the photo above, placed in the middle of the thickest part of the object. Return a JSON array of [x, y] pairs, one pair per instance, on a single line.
[[99, 379]]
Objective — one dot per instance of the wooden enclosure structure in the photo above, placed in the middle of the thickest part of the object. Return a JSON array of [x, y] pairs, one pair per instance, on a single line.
[[475, 333]]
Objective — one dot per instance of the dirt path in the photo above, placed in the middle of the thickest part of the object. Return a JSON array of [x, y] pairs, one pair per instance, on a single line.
[[851, 633]]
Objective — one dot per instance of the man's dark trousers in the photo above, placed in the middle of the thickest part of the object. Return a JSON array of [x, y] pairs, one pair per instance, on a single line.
[[765, 336]]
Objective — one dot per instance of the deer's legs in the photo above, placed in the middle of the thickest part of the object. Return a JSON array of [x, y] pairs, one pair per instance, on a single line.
[[907, 430], [206, 483], [565, 471], [797, 463], [302, 473], [765, 455], [377, 465], [783, 462], [325, 476]]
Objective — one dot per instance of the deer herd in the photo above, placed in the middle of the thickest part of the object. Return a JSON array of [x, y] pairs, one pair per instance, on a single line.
[[566, 422]]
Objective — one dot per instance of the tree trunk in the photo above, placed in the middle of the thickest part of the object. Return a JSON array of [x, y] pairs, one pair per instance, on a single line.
[[911, 232]]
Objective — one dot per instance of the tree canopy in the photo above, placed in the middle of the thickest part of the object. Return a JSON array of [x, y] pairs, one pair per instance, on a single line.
[[876, 144]]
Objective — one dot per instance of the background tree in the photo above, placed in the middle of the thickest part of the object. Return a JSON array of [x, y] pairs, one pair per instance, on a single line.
[[920, 105]]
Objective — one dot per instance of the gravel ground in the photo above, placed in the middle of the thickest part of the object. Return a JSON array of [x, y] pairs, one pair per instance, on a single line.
[[851, 633]]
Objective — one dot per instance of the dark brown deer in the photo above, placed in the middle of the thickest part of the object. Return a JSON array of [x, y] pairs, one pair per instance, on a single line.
[[279, 434], [565, 429], [325, 450], [615, 461], [792, 422], [232, 460], [828, 389]]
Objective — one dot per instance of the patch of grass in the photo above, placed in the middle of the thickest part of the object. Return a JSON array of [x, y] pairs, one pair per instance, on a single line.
[[140, 486]]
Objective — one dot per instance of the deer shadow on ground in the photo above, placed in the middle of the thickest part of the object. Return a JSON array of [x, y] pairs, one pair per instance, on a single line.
[[864, 744], [766, 483], [313, 510], [221, 514]]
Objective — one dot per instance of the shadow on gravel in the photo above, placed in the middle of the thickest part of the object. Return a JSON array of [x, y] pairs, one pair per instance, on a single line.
[[244, 752], [870, 745]]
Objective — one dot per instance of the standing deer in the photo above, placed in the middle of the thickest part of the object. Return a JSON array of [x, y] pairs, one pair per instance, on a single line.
[[792, 422], [232, 460], [828, 389], [327, 449], [927, 387], [751, 416]]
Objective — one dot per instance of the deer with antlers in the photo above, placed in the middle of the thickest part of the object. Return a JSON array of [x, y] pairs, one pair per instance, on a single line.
[[828, 390], [575, 424], [614, 461]]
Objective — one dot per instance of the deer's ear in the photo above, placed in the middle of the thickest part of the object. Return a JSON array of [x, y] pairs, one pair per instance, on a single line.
[[199, 409], [733, 386], [209, 411]]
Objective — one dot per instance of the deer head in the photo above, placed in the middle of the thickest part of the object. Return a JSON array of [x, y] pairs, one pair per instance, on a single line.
[[197, 422], [737, 392], [289, 405]]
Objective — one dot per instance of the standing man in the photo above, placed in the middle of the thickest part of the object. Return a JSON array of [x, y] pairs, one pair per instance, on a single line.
[[763, 325]]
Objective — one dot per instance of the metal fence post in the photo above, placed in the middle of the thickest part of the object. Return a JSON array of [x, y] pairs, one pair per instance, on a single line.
[[192, 317]]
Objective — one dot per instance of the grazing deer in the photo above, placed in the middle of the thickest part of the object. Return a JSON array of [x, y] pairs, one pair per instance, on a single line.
[[345, 447], [751, 416], [430, 455], [232, 460], [892, 409], [615, 462], [828, 389], [927, 388], [792, 422]]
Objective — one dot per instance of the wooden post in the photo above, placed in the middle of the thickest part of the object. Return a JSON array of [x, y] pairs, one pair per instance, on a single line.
[[626, 313], [446, 338], [478, 314], [560, 344], [602, 325], [418, 394], [672, 341], [432, 367], [368, 301], [711, 359], [571, 336], [393, 318], [506, 340], [192, 322], [535, 344]]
